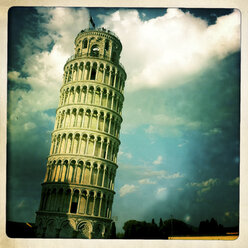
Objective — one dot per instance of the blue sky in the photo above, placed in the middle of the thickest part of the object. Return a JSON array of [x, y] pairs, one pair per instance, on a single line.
[[179, 152]]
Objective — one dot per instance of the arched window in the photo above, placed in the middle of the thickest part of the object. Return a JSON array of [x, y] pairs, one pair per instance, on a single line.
[[114, 57], [94, 51], [93, 72], [106, 45], [85, 42], [74, 203]]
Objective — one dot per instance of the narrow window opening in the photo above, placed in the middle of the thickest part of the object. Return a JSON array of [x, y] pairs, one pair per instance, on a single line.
[[106, 45], [85, 43], [94, 51], [74, 207], [74, 203], [93, 74], [114, 57]]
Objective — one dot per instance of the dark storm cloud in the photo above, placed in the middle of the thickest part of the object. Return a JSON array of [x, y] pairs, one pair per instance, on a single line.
[[15, 86], [187, 202], [22, 21], [27, 150], [209, 15], [215, 102], [212, 99]]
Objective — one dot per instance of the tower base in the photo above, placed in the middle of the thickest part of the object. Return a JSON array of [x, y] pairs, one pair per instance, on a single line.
[[55, 225]]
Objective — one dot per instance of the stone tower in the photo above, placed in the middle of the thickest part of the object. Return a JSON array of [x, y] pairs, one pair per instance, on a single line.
[[78, 189]]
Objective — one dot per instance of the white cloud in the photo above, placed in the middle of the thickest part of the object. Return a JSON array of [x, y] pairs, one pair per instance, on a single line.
[[207, 183], [180, 189], [64, 24], [125, 154], [187, 218], [129, 155], [159, 121], [45, 68], [213, 131], [146, 181], [150, 129], [161, 193], [162, 174], [161, 190], [158, 160], [183, 144], [205, 186], [154, 49], [29, 126], [166, 49], [127, 189], [174, 176]]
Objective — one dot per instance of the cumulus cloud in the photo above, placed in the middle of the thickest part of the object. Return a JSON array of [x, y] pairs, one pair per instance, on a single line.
[[183, 143], [161, 190], [158, 160], [173, 176], [165, 119], [167, 48], [127, 189], [161, 193], [150, 129], [207, 183], [146, 181], [187, 218], [213, 131], [161, 174], [205, 186], [29, 125], [43, 63], [157, 123], [125, 154], [153, 57]]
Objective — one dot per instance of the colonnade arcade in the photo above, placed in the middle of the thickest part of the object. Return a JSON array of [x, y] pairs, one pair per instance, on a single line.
[[95, 173], [77, 201], [92, 95], [88, 118], [85, 144], [99, 72]]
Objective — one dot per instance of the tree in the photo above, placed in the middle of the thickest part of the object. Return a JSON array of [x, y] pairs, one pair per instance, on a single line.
[[210, 227], [213, 226], [153, 222], [160, 223], [140, 230], [143, 230], [178, 226]]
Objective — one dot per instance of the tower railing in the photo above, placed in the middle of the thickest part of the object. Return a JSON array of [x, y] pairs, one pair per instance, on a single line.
[[98, 29], [89, 55]]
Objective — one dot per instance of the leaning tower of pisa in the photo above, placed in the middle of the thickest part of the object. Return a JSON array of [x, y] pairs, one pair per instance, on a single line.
[[78, 189]]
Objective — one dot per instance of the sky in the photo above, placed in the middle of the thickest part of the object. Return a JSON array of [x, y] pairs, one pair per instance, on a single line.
[[179, 152]]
